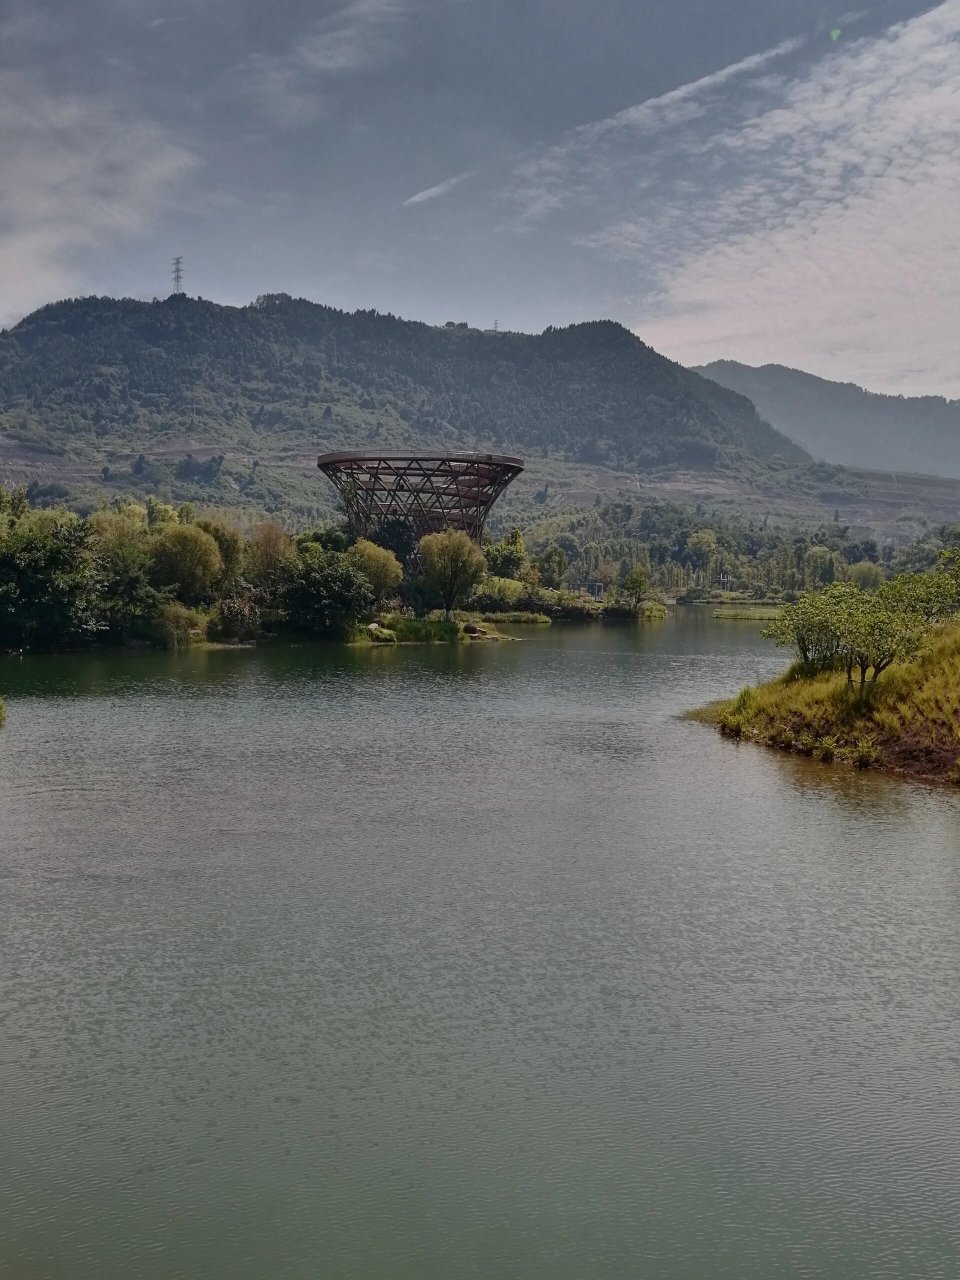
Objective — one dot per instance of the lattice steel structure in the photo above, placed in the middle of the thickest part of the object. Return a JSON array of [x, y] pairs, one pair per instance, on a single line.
[[433, 491]]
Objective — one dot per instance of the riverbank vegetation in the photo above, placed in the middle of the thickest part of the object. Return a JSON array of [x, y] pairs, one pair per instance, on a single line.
[[132, 574], [697, 555], [875, 682]]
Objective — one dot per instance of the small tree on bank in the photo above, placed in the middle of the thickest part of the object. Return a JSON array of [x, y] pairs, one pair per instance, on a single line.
[[453, 564], [634, 586], [379, 566]]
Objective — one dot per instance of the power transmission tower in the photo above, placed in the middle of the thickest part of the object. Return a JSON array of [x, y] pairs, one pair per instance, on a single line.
[[178, 274]]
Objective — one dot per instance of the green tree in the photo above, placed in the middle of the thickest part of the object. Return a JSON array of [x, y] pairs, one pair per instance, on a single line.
[[379, 566], [49, 585], [453, 564], [121, 544], [187, 560], [552, 565], [268, 562], [507, 557], [634, 586], [701, 549], [159, 513], [229, 544], [866, 574], [326, 594]]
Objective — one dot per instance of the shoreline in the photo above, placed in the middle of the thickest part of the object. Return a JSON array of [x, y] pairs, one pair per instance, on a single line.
[[906, 724]]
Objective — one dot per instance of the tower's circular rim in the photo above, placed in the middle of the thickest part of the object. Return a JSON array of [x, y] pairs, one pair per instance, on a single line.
[[359, 455]]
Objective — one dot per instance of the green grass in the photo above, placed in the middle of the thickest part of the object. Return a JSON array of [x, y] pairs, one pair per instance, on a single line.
[[424, 630], [748, 612], [517, 617], [909, 722], [3, 712]]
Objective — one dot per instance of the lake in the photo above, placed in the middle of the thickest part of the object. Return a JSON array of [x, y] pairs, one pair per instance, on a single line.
[[472, 961]]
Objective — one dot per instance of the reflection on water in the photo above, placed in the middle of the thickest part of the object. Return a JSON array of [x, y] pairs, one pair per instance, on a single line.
[[475, 960]]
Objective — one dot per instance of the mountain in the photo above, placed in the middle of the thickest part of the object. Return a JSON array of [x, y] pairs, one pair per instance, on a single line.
[[840, 422], [197, 399]]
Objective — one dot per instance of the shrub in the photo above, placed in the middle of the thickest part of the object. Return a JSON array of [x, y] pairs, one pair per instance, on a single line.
[[237, 618], [865, 752], [177, 627]]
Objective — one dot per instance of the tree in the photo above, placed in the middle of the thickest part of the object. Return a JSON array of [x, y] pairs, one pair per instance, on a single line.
[[866, 574], [634, 586], [453, 564], [701, 548], [122, 546], [552, 565], [268, 561], [379, 566], [397, 535], [507, 557], [187, 559], [326, 594], [49, 586], [229, 544], [159, 513]]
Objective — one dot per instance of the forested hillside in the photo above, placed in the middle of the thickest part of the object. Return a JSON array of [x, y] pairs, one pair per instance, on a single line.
[[190, 396], [840, 422]]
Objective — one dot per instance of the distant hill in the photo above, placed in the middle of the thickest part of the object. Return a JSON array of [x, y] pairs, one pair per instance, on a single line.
[[206, 393], [841, 423]]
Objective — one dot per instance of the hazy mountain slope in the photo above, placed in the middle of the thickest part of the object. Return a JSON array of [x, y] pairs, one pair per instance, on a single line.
[[840, 422], [102, 375]]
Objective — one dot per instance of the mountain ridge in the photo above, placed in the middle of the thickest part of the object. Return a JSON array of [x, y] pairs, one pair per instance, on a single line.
[[846, 424], [102, 380]]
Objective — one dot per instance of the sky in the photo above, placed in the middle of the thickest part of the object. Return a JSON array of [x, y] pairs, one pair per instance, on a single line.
[[758, 180]]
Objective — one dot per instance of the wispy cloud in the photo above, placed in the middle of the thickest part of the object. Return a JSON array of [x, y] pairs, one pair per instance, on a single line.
[[292, 88], [810, 220], [441, 189], [76, 173], [546, 182]]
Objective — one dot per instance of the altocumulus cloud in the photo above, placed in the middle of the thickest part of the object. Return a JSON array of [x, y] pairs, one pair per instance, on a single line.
[[808, 218], [76, 172]]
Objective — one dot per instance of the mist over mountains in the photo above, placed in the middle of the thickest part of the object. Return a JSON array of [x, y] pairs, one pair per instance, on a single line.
[[842, 423]]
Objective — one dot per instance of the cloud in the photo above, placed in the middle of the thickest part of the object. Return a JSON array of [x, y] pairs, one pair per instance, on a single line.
[[291, 88], [809, 220], [546, 182], [441, 189], [76, 174]]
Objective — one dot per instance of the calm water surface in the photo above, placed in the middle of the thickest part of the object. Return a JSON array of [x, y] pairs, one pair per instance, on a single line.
[[464, 962]]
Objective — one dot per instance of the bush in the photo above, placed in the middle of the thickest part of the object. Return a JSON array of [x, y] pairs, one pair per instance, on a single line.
[[865, 752], [177, 627], [237, 618]]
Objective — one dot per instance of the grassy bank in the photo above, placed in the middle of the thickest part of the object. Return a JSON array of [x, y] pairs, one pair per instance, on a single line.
[[908, 722], [394, 629], [747, 612]]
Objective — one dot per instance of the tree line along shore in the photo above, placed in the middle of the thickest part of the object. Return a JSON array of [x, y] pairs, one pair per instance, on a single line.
[[875, 681], [151, 574]]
